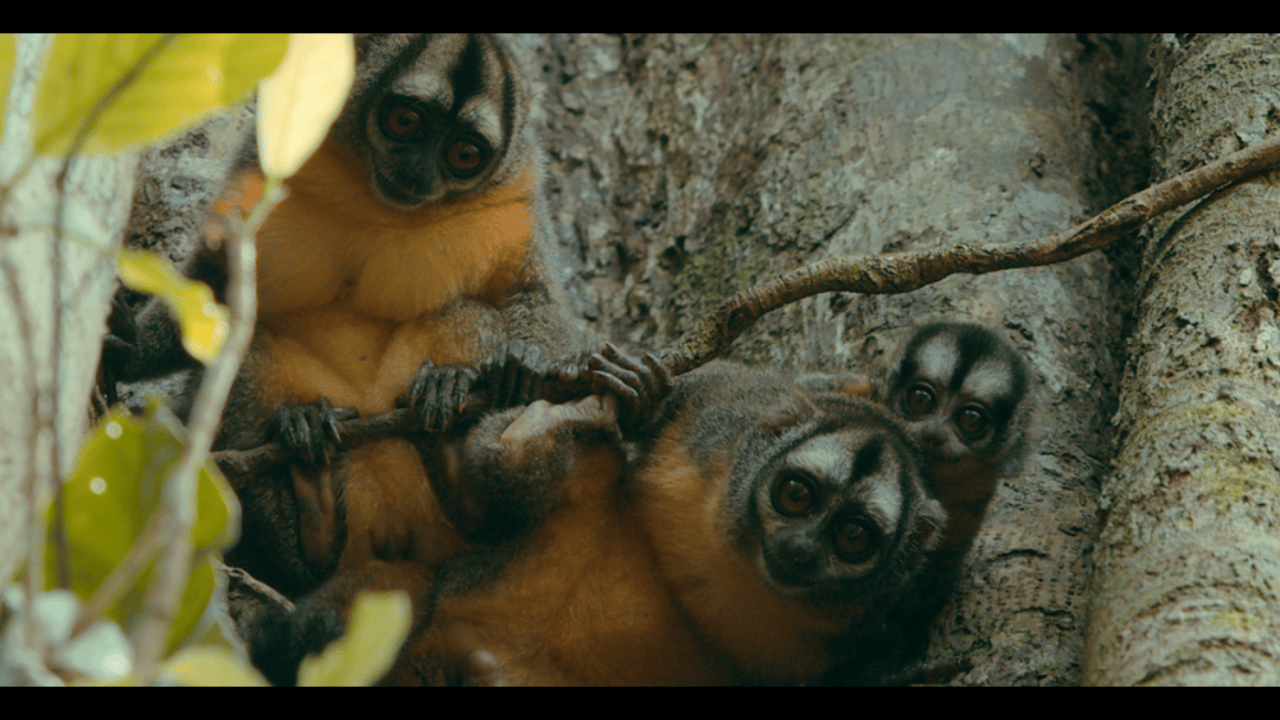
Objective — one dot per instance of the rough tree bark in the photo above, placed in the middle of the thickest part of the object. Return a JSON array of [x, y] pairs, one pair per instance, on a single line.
[[1188, 566], [48, 363]]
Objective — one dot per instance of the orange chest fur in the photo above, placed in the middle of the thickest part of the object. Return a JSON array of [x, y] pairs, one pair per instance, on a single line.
[[354, 295]]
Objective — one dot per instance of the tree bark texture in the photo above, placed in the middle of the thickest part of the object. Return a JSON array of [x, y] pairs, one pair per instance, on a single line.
[[47, 371], [1188, 566]]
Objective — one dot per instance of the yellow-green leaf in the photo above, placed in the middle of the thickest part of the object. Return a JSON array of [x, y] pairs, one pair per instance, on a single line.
[[112, 494], [204, 666], [204, 322], [298, 103], [179, 79], [378, 625], [8, 61], [247, 59]]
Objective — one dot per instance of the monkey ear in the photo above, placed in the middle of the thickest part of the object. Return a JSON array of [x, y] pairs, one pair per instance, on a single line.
[[793, 411]]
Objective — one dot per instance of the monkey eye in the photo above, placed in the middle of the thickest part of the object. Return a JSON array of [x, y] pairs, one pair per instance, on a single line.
[[466, 156], [855, 542], [972, 420], [793, 495], [920, 400], [402, 122]]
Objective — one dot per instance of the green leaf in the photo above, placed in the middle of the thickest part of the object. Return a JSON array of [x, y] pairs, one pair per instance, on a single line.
[[8, 61], [249, 58], [111, 495], [298, 103], [185, 78], [204, 322], [378, 626]]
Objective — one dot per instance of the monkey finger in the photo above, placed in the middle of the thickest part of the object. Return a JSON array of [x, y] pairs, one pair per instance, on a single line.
[[343, 414], [315, 418], [456, 385], [294, 432], [507, 377], [568, 376], [445, 388], [332, 429], [659, 374], [607, 383], [419, 386], [641, 369], [424, 398], [530, 388], [531, 369], [623, 373]]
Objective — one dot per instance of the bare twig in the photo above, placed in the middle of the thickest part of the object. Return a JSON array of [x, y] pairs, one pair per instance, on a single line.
[[886, 274], [876, 274], [179, 503]]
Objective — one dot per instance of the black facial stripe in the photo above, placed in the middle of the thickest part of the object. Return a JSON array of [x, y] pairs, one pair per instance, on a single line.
[[509, 101], [867, 458], [973, 347], [467, 77], [373, 93]]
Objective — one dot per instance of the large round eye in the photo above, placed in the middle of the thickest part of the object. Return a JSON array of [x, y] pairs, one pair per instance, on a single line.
[[402, 122], [793, 495], [972, 420], [920, 400], [855, 542], [466, 156]]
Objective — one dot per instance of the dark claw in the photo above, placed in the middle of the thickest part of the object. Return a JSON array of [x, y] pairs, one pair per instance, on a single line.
[[311, 433], [639, 385], [437, 394], [514, 375], [570, 379]]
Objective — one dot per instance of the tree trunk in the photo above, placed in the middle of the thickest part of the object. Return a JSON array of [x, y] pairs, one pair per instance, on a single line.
[[50, 357], [686, 168], [1188, 567]]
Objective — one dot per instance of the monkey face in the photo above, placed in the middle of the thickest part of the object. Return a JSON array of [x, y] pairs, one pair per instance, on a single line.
[[440, 127], [959, 388], [842, 512]]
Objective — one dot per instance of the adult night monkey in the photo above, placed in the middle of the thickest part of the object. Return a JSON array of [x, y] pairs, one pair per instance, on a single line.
[[410, 250], [758, 533]]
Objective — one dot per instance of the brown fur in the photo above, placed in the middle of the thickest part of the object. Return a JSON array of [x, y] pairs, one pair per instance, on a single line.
[[638, 580], [349, 315], [776, 641], [582, 603]]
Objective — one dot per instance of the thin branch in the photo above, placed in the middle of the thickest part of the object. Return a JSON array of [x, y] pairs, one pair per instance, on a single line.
[[887, 274], [868, 274], [179, 503]]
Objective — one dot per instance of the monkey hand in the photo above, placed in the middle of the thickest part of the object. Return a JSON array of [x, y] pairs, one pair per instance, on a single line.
[[639, 385], [438, 394], [311, 432], [514, 375]]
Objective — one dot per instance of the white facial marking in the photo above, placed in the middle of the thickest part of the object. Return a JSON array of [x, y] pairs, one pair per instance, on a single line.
[[938, 358], [885, 495], [987, 379], [826, 456]]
